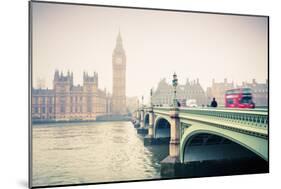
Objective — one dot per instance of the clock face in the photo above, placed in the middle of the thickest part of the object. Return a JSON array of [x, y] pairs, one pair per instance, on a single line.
[[118, 60]]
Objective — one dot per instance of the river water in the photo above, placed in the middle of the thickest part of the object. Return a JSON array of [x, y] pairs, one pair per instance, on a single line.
[[74, 153]]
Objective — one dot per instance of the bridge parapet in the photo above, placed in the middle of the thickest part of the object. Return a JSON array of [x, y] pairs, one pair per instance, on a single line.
[[255, 118], [253, 121]]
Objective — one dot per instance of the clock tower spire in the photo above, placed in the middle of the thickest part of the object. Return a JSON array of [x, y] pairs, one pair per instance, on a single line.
[[119, 77]]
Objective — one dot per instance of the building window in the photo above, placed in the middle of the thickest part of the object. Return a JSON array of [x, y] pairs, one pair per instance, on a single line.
[[50, 100], [36, 109], [89, 104], [62, 100], [43, 110], [43, 100], [62, 109], [62, 104], [36, 100]]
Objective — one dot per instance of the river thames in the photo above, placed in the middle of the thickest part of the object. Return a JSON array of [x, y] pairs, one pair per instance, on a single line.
[[92, 152]]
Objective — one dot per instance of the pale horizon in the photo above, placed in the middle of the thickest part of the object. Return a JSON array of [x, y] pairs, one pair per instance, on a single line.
[[157, 44]]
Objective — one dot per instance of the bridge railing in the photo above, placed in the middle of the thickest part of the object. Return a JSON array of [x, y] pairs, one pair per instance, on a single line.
[[242, 118], [254, 118]]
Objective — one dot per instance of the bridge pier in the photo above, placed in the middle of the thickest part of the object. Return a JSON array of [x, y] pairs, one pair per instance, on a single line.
[[142, 130], [149, 139], [138, 115], [151, 122], [171, 164], [136, 121]]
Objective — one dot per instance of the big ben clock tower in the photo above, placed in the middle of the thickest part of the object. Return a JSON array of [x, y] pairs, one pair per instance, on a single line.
[[119, 78]]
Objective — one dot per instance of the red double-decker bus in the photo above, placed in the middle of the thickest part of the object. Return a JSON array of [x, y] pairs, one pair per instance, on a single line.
[[239, 98]]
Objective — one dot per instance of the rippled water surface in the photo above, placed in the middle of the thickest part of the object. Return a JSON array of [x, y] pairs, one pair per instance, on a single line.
[[75, 153]]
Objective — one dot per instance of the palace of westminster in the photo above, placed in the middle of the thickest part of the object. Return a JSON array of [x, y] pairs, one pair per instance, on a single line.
[[66, 102]]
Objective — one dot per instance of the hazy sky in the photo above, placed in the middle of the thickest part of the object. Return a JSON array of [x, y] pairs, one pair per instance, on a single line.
[[157, 44]]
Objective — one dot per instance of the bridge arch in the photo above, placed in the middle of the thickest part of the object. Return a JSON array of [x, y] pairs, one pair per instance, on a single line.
[[257, 146], [162, 127]]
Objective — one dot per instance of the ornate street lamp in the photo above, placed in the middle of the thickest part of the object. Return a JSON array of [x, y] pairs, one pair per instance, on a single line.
[[142, 101], [175, 84]]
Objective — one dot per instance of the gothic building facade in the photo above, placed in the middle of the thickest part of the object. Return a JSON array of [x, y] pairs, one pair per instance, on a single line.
[[67, 102], [259, 90], [163, 95], [217, 90]]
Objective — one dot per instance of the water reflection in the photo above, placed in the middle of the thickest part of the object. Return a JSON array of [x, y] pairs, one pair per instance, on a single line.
[[92, 152]]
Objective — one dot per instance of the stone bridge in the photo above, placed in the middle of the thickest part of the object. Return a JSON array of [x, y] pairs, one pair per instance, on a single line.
[[190, 133]]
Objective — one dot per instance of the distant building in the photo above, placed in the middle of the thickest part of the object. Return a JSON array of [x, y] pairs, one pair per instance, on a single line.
[[193, 90], [163, 95], [132, 104], [68, 102], [217, 90], [259, 90]]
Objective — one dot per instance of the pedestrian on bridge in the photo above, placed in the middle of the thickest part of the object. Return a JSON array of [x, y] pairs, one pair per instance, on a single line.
[[214, 103], [178, 103]]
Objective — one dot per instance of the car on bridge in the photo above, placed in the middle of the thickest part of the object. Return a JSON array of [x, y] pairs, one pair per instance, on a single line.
[[191, 103]]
